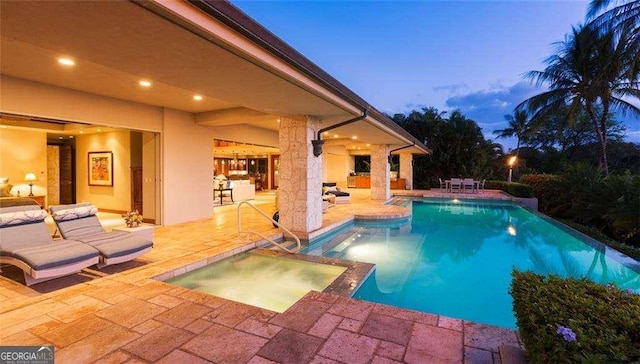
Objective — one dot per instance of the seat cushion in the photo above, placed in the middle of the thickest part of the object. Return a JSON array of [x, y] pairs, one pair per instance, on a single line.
[[52, 254], [115, 244], [339, 193]]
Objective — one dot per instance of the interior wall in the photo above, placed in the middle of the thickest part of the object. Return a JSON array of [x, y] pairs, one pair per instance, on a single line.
[[118, 196], [335, 164], [187, 174], [22, 152]]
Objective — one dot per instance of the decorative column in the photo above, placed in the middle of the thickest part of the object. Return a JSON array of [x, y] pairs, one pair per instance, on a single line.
[[380, 176], [406, 168], [300, 187]]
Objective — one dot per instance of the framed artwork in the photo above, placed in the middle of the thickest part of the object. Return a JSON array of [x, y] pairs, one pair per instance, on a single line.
[[100, 168]]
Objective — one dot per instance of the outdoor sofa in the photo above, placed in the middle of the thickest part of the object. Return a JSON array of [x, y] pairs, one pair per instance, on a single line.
[[332, 189]]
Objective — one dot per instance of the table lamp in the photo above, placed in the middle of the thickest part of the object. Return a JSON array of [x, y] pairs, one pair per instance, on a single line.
[[30, 177]]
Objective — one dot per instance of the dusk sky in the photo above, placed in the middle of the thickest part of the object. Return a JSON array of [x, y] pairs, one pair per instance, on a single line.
[[405, 55]]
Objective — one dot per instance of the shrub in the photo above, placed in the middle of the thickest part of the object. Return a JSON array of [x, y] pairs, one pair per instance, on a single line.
[[550, 191], [551, 312], [514, 189]]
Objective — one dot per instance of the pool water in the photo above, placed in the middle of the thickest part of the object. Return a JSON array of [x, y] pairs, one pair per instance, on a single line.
[[455, 258], [259, 280]]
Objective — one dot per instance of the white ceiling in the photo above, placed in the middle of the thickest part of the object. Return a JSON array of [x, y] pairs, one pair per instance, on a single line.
[[115, 44]]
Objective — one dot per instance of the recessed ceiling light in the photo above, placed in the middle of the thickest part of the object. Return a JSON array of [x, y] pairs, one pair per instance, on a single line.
[[60, 138], [81, 131], [70, 136], [145, 83], [66, 61], [354, 137], [197, 97], [278, 120], [99, 130], [335, 135], [325, 133]]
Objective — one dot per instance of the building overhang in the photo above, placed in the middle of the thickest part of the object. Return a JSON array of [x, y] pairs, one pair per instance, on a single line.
[[245, 74]]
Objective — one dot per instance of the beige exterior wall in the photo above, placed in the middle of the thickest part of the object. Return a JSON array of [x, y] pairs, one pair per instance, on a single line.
[[187, 173], [22, 152]]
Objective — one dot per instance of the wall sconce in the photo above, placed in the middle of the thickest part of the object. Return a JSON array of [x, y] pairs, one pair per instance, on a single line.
[[30, 177]]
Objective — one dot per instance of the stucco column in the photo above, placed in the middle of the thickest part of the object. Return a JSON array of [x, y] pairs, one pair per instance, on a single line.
[[380, 177], [300, 188], [406, 168]]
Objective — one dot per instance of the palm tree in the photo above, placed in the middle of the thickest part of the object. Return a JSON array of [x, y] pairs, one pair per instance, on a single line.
[[518, 127], [589, 72], [623, 16]]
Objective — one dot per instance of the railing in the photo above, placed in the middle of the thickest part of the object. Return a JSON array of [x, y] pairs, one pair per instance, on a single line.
[[240, 232]]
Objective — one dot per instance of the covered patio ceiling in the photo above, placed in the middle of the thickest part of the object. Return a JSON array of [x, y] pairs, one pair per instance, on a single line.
[[182, 52]]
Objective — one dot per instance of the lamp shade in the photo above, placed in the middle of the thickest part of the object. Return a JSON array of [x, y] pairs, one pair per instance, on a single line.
[[221, 177], [30, 177]]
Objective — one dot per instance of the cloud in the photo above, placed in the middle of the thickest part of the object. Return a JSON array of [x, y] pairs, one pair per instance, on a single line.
[[452, 88], [488, 107]]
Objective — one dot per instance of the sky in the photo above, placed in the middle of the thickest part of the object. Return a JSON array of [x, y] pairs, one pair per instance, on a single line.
[[402, 56]]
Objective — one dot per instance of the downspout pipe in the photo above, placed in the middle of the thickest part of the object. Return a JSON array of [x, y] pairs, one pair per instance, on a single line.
[[318, 142], [397, 149]]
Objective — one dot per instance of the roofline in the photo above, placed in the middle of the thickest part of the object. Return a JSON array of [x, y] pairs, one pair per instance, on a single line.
[[236, 19]]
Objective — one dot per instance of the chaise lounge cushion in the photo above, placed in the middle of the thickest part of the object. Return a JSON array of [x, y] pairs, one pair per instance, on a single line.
[[25, 236], [116, 244], [79, 222]]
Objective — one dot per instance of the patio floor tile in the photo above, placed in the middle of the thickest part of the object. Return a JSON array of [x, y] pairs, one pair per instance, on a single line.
[[94, 347], [66, 334], [221, 344], [183, 314], [179, 356], [347, 347], [388, 328], [430, 344], [292, 347], [131, 312], [158, 343]]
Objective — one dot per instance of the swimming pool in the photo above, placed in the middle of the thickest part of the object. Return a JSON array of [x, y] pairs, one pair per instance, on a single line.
[[455, 258]]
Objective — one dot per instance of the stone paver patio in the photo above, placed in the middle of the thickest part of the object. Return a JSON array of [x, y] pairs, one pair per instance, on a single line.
[[123, 314]]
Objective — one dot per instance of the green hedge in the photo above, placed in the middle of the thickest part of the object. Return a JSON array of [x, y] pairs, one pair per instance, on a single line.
[[514, 189], [604, 320], [551, 191]]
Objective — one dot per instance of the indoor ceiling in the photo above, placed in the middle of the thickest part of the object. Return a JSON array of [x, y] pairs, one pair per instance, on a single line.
[[117, 44]]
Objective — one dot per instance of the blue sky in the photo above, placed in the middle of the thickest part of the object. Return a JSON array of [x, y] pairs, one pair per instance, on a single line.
[[405, 55]]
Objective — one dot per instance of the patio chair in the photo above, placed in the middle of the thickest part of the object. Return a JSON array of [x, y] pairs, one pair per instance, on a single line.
[[481, 185], [467, 183], [26, 243], [443, 184], [456, 183], [79, 222]]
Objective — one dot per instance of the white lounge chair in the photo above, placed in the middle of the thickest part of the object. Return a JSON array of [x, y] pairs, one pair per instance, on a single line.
[[25, 242], [79, 222]]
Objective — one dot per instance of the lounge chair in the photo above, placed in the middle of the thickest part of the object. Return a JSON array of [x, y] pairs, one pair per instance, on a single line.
[[79, 222], [443, 184], [25, 242], [331, 188]]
